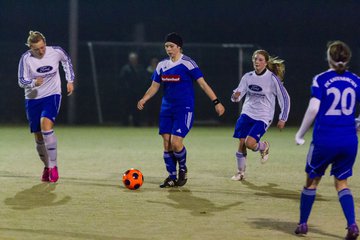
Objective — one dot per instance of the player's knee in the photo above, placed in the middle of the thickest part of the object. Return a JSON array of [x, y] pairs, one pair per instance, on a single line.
[[251, 144]]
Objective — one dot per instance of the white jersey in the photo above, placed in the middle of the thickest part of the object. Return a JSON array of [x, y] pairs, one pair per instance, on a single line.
[[261, 91], [47, 67]]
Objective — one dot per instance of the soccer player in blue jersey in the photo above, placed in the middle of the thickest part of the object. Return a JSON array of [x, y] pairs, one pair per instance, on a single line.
[[177, 74], [332, 106], [38, 74], [261, 88]]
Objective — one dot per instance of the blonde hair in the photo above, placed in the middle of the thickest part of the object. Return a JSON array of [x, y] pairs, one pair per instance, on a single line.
[[338, 55], [34, 37], [274, 64]]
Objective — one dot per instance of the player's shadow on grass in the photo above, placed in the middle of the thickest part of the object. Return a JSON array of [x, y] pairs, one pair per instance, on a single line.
[[272, 190], [184, 199], [286, 227], [40, 195], [63, 234]]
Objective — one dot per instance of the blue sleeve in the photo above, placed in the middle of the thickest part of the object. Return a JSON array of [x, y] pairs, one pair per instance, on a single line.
[[156, 77], [196, 73], [315, 89]]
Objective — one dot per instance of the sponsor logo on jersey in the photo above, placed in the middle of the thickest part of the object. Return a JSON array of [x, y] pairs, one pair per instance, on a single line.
[[44, 69], [170, 78], [255, 88]]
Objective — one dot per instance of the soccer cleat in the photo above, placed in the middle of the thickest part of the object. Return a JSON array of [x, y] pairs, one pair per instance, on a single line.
[[168, 182], [182, 177], [53, 174], [353, 232], [45, 175], [265, 153], [239, 176], [301, 228]]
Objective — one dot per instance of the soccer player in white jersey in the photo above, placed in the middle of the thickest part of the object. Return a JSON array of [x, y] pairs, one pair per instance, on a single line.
[[177, 73], [39, 75], [261, 88], [335, 142]]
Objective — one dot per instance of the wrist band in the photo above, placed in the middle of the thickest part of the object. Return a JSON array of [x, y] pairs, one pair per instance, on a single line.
[[216, 102]]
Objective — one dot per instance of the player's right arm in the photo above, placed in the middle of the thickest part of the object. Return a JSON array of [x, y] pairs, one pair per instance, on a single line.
[[152, 90], [308, 119], [240, 91], [24, 79]]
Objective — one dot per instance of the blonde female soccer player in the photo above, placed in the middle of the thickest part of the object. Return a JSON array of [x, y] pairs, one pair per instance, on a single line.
[[39, 75], [261, 88]]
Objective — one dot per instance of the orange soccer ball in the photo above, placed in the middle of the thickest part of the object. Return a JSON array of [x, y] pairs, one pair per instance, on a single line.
[[133, 179]]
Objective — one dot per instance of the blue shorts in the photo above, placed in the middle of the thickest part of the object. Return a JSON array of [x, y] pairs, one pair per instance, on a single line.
[[246, 126], [341, 158], [176, 121], [44, 107]]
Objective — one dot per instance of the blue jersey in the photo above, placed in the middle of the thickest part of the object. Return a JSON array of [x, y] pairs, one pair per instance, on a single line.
[[177, 79], [335, 121]]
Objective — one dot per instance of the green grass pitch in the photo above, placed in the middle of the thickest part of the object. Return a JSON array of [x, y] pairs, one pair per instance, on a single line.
[[89, 201]]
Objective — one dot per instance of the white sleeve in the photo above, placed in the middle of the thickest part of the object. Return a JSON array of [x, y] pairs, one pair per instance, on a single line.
[[308, 119], [241, 88], [283, 99], [66, 64], [24, 80]]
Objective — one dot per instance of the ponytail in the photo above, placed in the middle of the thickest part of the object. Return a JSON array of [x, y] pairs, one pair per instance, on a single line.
[[338, 55], [277, 66]]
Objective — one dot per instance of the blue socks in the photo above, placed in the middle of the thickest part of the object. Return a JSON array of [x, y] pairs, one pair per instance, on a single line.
[[170, 164], [306, 202], [181, 158], [171, 158], [345, 198], [347, 203]]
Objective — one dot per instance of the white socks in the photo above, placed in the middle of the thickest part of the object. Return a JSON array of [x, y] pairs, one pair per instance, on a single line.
[[241, 161], [40, 147], [50, 141]]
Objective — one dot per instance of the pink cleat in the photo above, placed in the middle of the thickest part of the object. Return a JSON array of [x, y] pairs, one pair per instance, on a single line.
[[53, 174], [45, 175]]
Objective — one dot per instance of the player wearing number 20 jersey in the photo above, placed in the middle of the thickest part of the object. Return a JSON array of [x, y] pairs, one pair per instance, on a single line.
[[334, 94], [338, 93]]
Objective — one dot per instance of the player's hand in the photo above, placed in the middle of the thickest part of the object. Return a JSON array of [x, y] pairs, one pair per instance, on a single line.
[[39, 81], [235, 97], [219, 108], [357, 124], [281, 124], [141, 104], [70, 88], [299, 140]]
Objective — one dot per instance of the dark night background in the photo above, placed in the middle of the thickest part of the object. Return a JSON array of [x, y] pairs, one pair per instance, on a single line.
[[296, 31]]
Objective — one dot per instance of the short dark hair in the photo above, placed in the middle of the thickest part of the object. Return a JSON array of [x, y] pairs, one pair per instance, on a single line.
[[174, 38]]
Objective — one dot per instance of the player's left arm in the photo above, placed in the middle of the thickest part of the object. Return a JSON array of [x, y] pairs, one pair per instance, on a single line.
[[219, 108], [68, 69], [284, 102]]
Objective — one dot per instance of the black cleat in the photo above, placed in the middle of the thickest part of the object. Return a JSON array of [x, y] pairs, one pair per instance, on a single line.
[[168, 182], [353, 232], [182, 177]]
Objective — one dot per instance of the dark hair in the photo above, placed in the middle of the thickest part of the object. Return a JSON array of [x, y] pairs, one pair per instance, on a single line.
[[338, 55], [174, 38]]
